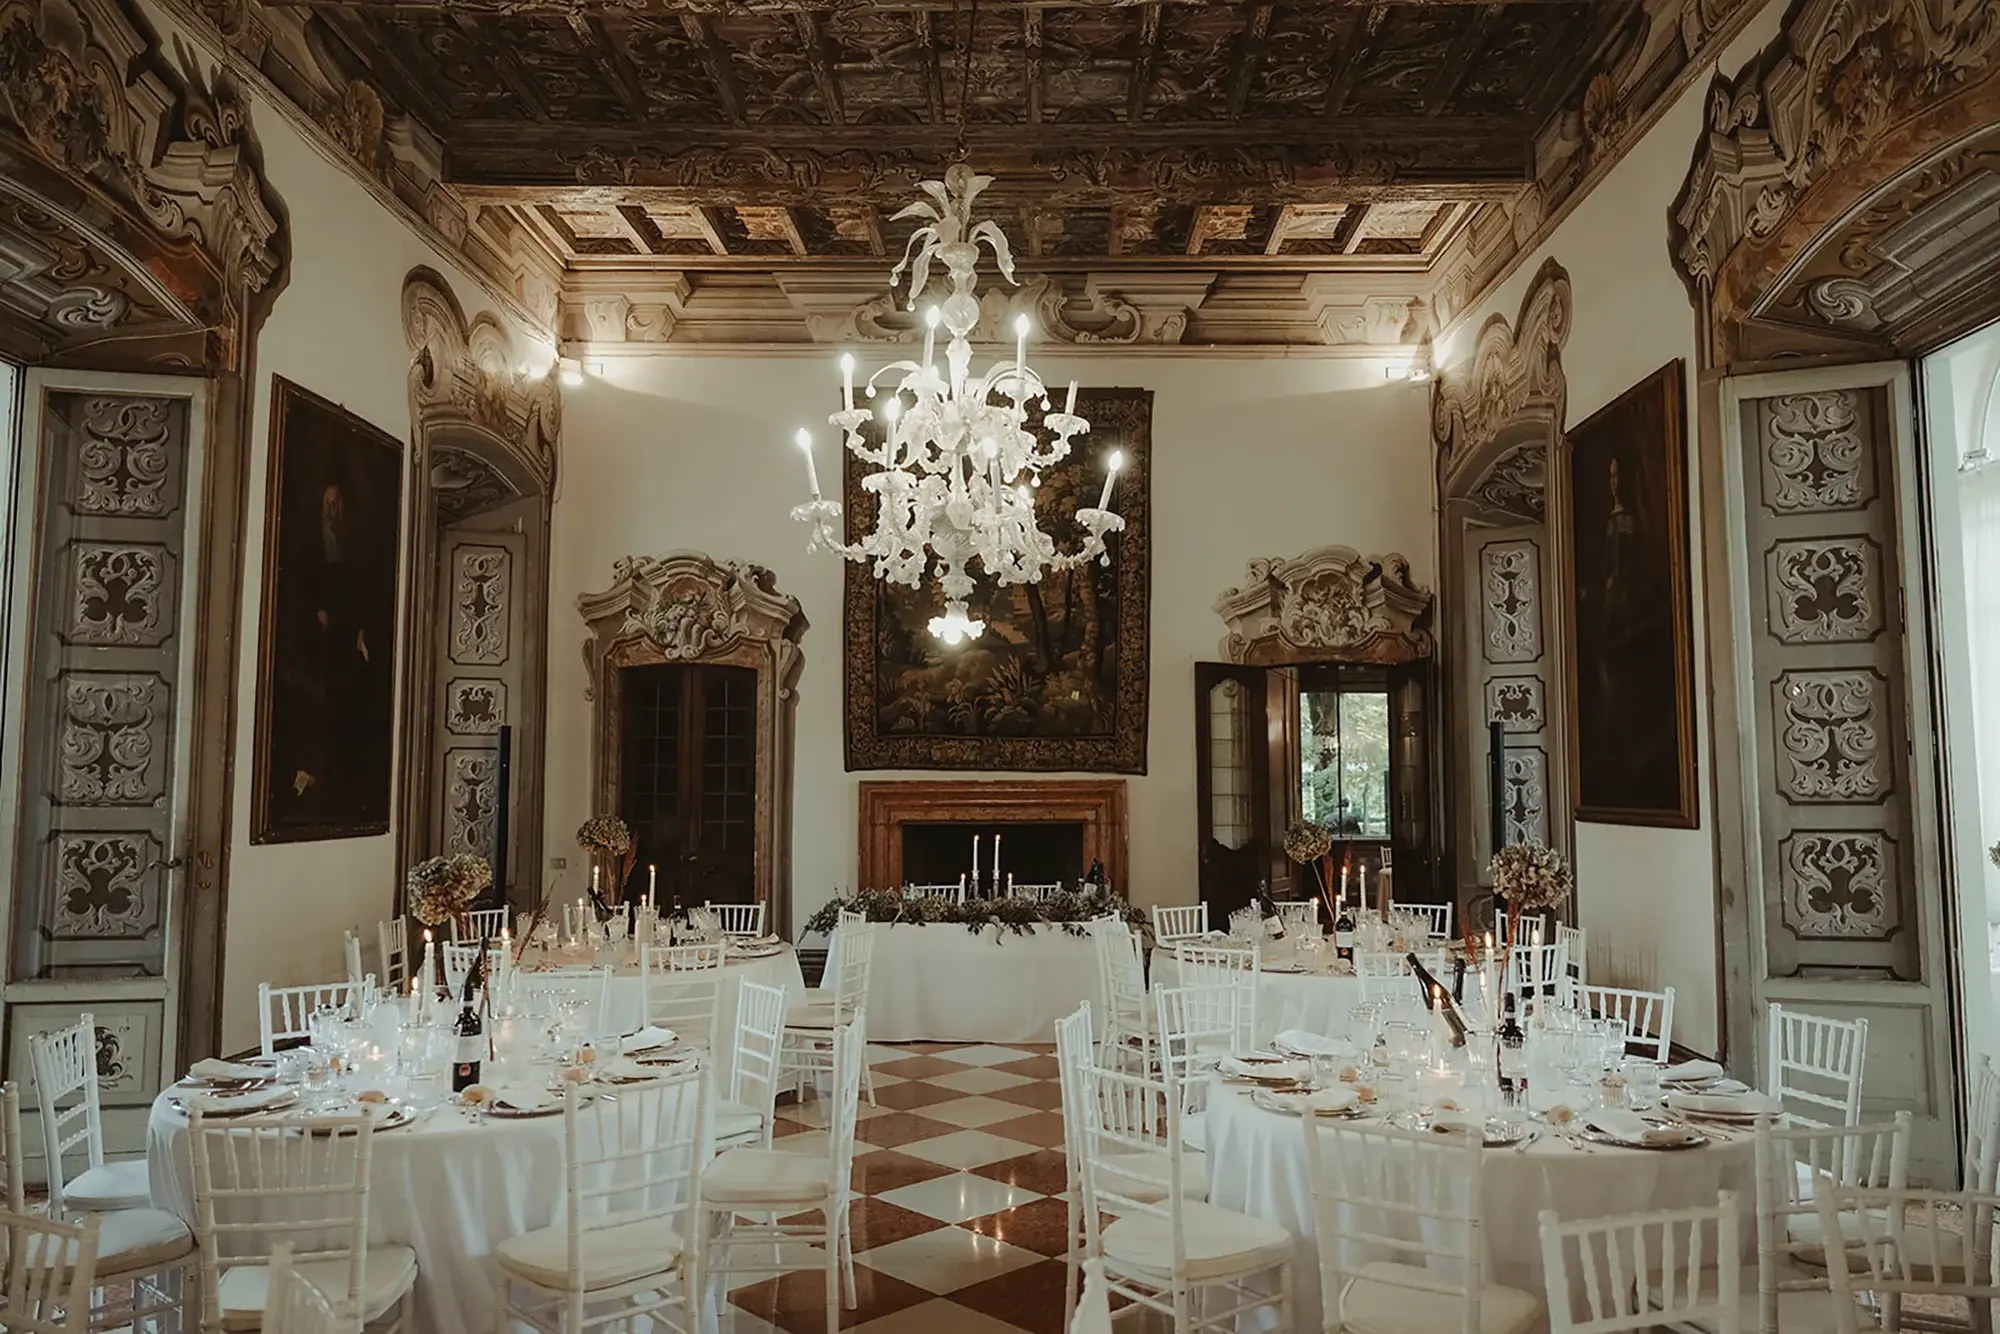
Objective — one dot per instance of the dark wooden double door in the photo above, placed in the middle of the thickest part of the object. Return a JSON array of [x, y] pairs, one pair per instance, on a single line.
[[688, 780]]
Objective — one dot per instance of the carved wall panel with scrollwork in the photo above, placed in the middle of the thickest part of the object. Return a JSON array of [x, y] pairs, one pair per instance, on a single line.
[[687, 607], [1331, 604]]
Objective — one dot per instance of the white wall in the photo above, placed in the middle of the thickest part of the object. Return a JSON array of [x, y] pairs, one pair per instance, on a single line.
[[336, 329], [1251, 457], [1646, 896]]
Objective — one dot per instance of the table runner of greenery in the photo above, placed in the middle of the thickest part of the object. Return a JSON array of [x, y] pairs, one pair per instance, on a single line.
[[1072, 910]]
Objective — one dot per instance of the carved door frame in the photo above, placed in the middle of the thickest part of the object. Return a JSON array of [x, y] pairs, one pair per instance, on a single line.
[[483, 435], [1497, 424], [685, 608]]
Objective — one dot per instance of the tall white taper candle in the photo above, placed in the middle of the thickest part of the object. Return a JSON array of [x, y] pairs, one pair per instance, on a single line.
[[1111, 467], [805, 443]]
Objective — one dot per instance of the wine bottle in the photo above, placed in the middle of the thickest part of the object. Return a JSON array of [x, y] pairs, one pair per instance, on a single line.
[[1513, 1053], [1274, 925], [1435, 999], [470, 1029], [1343, 931]]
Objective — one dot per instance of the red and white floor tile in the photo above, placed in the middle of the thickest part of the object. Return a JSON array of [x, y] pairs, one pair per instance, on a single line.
[[958, 1213]]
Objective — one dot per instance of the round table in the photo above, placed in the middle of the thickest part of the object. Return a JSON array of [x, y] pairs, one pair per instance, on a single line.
[[1257, 1166], [1317, 1001], [452, 1189]]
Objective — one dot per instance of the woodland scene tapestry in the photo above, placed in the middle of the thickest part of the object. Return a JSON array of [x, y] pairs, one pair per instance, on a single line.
[[1059, 679], [1630, 661], [327, 661]]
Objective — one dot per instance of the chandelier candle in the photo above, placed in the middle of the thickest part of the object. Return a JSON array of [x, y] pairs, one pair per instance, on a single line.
[[956, 469]]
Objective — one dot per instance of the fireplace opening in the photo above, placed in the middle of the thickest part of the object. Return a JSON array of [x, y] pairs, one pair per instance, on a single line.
[[1038, 853]]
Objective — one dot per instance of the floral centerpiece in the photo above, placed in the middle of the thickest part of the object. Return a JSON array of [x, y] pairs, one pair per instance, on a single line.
[[1307, 843], [1072, 910], [1530, 877], [608, 840], [441, 889]]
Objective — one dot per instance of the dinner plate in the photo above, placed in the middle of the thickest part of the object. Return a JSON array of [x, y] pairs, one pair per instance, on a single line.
[[507, 1111], [1694, 1139], [269, 1099], [1339, 1101], [755, 951], [1742, 1108], [1495, 1133]]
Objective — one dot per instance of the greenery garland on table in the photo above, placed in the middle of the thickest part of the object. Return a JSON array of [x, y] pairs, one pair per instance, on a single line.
[[1072, 910]]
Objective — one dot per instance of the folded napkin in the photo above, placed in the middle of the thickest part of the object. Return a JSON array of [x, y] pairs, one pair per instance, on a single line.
[[647, 1038], [520, 1098], [212, 1069], [1630, 1128], [253, 1100], [1688, 1072], [1265, 1069], [1301, 1043]]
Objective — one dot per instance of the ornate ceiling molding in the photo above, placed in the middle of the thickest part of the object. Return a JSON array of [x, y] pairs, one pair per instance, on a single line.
[[134, 205], [1514, 376], [1331, 604], [1850, 96], [466, 377]]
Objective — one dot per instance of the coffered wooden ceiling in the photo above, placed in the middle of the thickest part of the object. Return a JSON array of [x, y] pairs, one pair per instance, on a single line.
[[692, 134]]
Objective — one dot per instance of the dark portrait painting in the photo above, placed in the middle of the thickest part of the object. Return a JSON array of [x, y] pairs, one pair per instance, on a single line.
[[1059, 679], [327, 663], [1630, 660]]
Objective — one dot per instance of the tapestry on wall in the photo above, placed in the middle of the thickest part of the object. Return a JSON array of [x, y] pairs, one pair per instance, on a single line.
[[1630, 664], [327, 657], [1059, 679]]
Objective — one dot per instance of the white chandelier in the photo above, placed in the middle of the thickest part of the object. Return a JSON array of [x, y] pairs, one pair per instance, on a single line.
[[956, 473]]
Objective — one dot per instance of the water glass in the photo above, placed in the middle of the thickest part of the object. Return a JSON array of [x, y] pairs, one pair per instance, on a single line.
[[1642, 1083], [424, 1089]]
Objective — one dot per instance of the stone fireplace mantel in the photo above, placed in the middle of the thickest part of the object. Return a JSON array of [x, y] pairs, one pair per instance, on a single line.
[[1097, 806]]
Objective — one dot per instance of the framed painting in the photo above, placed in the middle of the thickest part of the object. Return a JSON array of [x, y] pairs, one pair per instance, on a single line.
[[326, 666], [1630, 657], [1059, 679]]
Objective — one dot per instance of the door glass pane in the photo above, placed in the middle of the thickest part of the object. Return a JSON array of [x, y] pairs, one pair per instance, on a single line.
[[649, 741], [1229, 776], [1344, 760]]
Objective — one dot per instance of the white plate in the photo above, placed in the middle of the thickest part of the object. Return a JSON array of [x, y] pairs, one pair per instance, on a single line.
[[269, 1099], [1723, 1106], [1336, 1101]]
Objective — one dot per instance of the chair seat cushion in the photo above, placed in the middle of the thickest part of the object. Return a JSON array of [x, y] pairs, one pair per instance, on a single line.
[[767, 1176], [133, 1242], [1376, 1301], [113, 1186], [1802, 1311], [1114, 1173], [735, 1120], [1220, 1243], [812, 1014], [618, 1249], [387, 1272], [1810, 1235]]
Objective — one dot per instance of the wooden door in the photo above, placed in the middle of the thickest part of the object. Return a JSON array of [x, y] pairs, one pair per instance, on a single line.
[[1233, 794], [688, 781]]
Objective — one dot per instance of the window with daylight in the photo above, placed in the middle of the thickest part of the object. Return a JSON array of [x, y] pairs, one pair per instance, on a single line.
[[1344, 750]]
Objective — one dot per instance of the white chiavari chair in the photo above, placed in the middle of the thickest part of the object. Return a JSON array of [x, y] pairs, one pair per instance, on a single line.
[[51, 1269], [1074, 1052], [680, 988], [1911, 1243], [1417, 1200], [1236, 967], [632, 1174], [1093, 1316], [477, 924], [284, 1014], [1196, 1026], [1127, 1036], [776, 1184], [1385, 976], [739, 919], [1198, 1264], [745, 1116], [810, 1024], [1648, 1016], [1539, 972], [458, 959], [144, 1256], [392, 945], [1813, 1066], [1176, 924], [262, 1180], [1437, 917], [1574, 941], [350, 953], [1039, 893], [66, 1101], [295, 1306], [954, 893], [1533, 930], [1982, 1128], [1644, 1271], [590, 986]]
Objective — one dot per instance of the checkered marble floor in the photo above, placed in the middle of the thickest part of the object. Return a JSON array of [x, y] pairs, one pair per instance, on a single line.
[[958, 1215]]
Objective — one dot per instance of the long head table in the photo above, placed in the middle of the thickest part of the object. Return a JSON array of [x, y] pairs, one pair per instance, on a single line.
[[942, 982]]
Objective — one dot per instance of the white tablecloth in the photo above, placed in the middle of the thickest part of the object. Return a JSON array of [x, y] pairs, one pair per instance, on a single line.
[[943, 983], [778, 970], [1257, 1166], [1316, 1002]]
